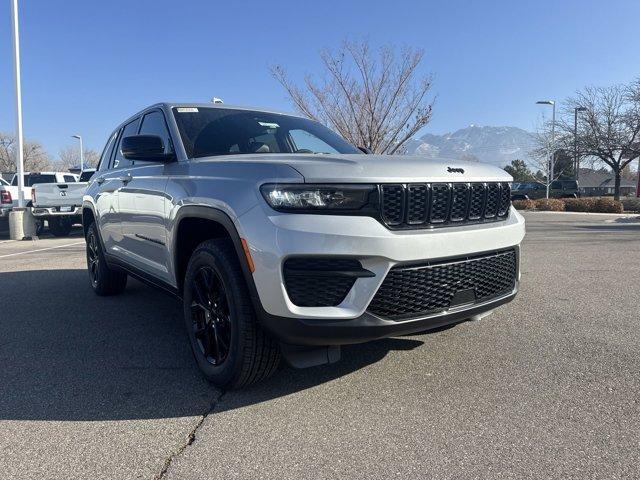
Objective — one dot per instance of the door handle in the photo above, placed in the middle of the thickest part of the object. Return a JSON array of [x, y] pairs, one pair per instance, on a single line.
[[126, 178]]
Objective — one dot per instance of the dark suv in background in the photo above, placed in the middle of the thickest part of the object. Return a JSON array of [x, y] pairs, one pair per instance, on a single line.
[[535, 190]]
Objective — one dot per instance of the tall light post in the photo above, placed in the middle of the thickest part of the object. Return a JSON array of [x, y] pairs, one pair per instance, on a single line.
[[81, 153], [576, 161], [553, 141], [16, 70]]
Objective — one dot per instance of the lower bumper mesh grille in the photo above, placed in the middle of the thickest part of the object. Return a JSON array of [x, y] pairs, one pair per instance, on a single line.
[[416, 290], [320, 282]]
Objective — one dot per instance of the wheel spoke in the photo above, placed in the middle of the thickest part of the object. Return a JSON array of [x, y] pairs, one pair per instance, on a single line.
[[210, 315], [201, 296]]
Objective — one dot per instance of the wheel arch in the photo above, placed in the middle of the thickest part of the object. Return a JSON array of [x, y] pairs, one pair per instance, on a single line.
[[194, 224]]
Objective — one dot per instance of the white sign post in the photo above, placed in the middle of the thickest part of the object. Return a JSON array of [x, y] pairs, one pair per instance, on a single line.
[[21, 222], [16, 68]]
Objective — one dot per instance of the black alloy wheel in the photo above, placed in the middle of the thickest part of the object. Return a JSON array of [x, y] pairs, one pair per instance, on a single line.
[[93, 258], [228, 343], [104, 279], [211, 316]]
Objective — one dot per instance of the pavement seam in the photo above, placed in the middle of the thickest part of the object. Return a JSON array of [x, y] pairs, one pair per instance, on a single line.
[[191, 437]]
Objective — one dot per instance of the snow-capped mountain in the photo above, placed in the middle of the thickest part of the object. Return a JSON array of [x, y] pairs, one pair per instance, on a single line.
[[495, 145]]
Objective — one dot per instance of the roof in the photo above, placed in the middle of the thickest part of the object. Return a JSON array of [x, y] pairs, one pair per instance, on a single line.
[[227, 106], [598, 179]]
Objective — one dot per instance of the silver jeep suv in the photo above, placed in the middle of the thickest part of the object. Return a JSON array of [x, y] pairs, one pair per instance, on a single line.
[[282, 239]]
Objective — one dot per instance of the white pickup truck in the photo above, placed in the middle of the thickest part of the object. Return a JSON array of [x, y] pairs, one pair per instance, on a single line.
[[60, 204], [6, 202], [9, 193]]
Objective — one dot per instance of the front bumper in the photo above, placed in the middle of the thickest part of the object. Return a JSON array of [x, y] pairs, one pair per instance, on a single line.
[[273, 237], [56, 212], [368, 327]]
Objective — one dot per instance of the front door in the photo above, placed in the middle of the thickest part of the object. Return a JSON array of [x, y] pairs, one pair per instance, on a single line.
[[143, 202]]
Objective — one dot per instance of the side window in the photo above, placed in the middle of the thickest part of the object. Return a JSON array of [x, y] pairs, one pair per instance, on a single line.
[[306, 142], [130, 129], [103, 164], [153, 124]]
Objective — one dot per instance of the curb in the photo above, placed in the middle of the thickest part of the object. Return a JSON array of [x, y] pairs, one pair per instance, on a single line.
[[582, 213]]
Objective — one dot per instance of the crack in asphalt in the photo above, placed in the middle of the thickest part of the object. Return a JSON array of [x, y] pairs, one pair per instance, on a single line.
[[191, 437]]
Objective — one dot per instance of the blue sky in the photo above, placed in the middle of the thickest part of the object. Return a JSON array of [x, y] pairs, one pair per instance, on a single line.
[[86, 65]]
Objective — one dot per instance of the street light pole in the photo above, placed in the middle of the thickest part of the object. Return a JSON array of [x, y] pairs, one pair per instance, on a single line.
[[553, 141], [576, 161], [81, 153], [16, 69]]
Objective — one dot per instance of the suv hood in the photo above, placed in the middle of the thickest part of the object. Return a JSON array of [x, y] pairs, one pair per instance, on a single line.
[[355, 168]]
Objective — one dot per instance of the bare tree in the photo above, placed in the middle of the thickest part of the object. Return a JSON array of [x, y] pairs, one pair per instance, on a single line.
[[609, 128], [541, 153], [378, 101], [69, 157], [35, 157]]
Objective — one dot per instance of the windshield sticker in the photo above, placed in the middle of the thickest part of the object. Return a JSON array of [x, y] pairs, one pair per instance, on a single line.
[[269, 125], [187, 110]]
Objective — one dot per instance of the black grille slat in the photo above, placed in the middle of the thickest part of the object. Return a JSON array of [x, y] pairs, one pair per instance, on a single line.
[[412, 291], [440, 201], [493, 200], [476, 209], [417, 203], [459, 202], [422, 205], [505, 199], [393, 204]]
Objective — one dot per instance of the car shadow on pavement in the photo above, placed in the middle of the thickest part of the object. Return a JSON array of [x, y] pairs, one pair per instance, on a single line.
[[67, 354]]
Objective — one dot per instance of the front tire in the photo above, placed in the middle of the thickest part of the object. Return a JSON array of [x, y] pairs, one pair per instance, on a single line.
[[104, 280], [228, 344]]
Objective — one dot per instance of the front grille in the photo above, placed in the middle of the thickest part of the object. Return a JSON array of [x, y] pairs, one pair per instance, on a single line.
[[320, 281], [419, 205], [416, 290]]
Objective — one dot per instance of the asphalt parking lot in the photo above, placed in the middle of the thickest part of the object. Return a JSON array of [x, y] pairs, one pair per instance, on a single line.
[[546, 387]]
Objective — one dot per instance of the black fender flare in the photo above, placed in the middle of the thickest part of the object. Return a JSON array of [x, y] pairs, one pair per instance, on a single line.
[[216, 215]]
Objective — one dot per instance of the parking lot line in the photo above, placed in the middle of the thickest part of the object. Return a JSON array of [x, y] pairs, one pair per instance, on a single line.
[[41, 249]]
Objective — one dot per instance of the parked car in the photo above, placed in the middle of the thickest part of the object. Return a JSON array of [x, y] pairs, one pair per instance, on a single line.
[[6, 201], [283, 239], [9, 193], [34, 178], [531, 190], [564, 189], [60, 204], [536, 190]]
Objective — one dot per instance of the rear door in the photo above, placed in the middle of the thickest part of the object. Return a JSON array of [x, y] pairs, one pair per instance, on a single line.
[[143, 203]]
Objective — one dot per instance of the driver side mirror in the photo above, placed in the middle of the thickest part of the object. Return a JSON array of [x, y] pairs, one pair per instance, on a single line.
[[149, 148]]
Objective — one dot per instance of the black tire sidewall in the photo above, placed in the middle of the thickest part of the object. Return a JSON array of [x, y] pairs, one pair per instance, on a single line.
[[92, 231], [227, 372]]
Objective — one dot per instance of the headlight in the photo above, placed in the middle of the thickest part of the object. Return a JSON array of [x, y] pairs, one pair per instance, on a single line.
[[318, 197]]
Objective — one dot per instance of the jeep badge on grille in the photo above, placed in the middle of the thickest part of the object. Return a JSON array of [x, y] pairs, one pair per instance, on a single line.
[[455, 170]]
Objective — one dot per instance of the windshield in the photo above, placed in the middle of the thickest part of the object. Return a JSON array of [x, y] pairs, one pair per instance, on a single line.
[[224, 131]]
